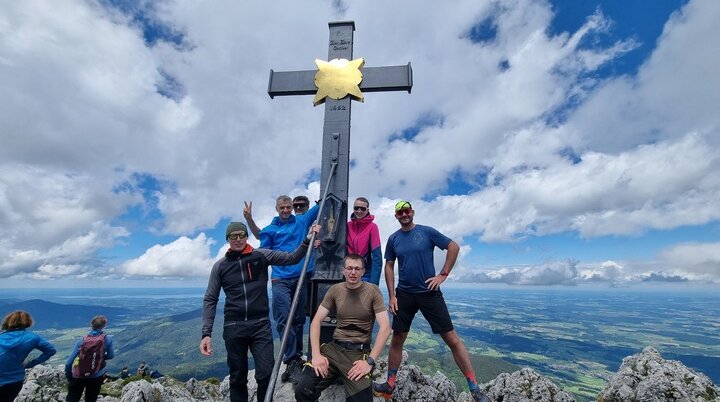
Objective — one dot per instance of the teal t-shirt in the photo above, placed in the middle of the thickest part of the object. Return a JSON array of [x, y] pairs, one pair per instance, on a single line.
[[414, 251]]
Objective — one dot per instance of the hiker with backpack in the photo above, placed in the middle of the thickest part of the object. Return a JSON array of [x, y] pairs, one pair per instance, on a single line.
[[16, 343], [85, 367]]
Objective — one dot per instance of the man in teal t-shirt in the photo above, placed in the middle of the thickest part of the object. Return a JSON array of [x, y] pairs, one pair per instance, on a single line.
[[419, 289]]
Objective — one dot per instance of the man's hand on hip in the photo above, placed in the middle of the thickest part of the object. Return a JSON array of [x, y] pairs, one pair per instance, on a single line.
[[434, 282]]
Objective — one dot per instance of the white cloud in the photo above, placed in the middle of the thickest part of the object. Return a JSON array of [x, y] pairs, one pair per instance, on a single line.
[[555, 273], [608, 271], [698, 261], [182, 257], [50, 219], [82, 116], [690, 262]]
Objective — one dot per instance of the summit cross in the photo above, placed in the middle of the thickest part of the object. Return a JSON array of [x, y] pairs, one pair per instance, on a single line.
[[336, 135], [336, 82]]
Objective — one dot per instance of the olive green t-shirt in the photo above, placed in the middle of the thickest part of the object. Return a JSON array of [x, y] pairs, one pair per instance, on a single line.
[[356, 309]]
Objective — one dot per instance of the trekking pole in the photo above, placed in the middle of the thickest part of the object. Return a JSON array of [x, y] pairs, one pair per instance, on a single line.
[[296, 297]]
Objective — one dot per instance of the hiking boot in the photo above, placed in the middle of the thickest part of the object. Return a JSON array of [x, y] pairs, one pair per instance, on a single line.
[[384, 390], [479, 396], [292, 372], [296, 373]]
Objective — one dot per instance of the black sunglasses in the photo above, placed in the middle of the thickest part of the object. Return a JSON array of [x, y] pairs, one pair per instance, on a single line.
[[359, 208]]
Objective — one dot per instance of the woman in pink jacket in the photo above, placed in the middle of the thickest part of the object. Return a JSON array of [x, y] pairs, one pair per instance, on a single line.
[[363, 238]]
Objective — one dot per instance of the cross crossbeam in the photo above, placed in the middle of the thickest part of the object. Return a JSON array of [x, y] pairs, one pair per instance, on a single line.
[[375, 79]]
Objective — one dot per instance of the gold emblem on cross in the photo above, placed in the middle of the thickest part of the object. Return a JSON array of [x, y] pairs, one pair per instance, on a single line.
[[338, 78]]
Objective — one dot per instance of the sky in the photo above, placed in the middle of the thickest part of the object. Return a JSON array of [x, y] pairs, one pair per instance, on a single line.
[[560, 143]]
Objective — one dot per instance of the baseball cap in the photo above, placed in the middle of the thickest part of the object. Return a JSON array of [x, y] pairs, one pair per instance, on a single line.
[[402, 205]]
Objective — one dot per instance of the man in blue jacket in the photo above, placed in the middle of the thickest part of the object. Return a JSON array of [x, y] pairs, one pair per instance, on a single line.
[[91, 385], [285, 233]]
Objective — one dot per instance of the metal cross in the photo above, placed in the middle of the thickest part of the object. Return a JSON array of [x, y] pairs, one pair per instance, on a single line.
[[336, 146]]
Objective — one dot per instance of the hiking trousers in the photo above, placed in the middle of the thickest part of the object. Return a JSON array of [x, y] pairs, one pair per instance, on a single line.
[[256, 336], [8, 392], [91, 386]]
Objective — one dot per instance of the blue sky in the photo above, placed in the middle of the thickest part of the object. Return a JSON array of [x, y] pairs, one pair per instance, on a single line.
[[560, 143]]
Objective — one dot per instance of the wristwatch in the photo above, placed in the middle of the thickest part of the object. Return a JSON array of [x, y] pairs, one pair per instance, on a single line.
[[371, 361]]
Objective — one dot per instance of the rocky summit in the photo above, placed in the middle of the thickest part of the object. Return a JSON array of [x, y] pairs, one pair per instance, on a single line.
[[645, 377]]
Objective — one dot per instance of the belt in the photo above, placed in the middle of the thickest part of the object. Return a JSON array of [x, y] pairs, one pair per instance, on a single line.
[[352, 346]]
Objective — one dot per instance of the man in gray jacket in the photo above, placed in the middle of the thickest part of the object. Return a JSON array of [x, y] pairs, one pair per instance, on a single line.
[[243, 276]]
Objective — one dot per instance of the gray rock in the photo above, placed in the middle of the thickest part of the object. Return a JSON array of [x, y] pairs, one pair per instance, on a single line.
[[225, 389], [203, 391], [413, 385], [644, 377], [43, 384], [169, 390], [525, 385], [648, 377], [138, 391]]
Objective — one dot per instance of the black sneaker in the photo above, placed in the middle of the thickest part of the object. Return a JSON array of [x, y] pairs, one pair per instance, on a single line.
[[285, 376], [479, 396], [293, 370], [384, 390], [296, 372]]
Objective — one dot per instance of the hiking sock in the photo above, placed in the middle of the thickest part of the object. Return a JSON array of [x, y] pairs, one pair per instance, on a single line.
[[472, 382], [392, 373]]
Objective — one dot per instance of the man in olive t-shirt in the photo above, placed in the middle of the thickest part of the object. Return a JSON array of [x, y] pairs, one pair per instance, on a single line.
[[358, 305]]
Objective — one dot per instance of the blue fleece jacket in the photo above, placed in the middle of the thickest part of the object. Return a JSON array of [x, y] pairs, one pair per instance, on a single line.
[[286, 235], [15, 346], [109, 353]]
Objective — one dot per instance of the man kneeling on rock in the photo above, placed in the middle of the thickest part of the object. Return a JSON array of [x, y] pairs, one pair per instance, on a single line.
[[358, 305]]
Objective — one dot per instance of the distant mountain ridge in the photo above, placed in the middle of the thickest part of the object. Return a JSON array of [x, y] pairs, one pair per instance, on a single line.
[[62, 316]]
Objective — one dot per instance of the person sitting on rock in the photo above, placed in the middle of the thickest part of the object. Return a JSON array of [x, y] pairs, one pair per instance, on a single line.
[[348, 357], [143, 369]]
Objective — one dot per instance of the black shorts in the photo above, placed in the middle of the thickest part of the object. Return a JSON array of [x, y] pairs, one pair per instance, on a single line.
[[431, 305]]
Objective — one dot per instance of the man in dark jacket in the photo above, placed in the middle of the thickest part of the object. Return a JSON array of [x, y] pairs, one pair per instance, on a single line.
[[243, 276]]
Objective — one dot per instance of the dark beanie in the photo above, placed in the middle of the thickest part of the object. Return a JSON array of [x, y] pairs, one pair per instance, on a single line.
[[234, 227]]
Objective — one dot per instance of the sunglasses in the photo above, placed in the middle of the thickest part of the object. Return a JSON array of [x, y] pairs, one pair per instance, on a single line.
[[406, 211], [359, 208], [298, 206], [236, 236]]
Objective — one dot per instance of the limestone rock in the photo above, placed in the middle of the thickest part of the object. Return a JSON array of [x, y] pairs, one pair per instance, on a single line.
[[525, 385], [138, 391], [203, 391], [166, 389], [413, 385], [646, 376], [225, 389], [43, 384]]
